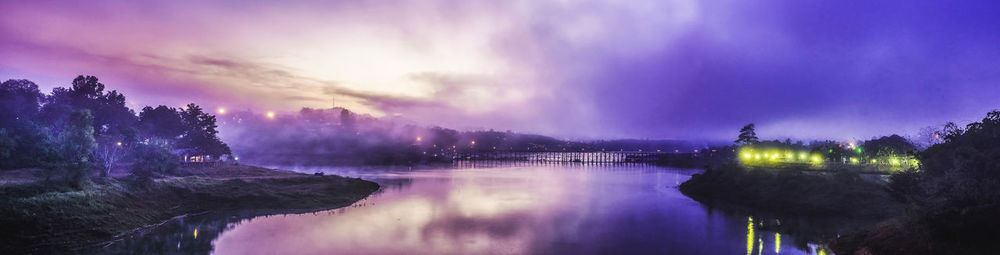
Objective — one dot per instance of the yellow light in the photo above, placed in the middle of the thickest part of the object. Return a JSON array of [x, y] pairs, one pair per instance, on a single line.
[[854, 160], [765, 155], [757, 156], [895, 161], [815, 158], [802, 155], [874, 161], [746, 155], [119, 143], [221, 110], [789, 155], [774, 156], [196, 233], [270, 115], [750, 235], [777, 243]]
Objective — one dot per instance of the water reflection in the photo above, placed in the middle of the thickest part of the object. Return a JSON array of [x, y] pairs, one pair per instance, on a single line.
[[536, 209]]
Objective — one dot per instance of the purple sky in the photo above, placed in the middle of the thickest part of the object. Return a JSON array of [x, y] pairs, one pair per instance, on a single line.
[[576, 69]]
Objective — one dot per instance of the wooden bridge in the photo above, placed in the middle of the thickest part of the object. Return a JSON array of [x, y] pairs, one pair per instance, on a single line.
[[581, 157]]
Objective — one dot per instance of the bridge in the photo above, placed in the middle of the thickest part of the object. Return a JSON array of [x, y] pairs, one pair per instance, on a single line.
[[565, 156]]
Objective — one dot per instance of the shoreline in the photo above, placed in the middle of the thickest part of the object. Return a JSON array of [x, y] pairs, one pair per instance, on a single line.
[[112, 210], [851, 203]]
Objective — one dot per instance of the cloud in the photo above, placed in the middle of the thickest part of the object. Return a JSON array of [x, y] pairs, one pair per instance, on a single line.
[[645, 69]]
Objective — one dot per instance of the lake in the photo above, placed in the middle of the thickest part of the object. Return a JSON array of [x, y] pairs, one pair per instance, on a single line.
[[474, 208]]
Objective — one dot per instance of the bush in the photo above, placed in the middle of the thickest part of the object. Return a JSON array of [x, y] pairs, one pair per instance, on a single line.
[[152, 160]]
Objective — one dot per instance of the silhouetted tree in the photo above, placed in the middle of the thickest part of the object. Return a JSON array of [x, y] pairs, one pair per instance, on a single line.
[[162, 122], [347, 118], [748, 135], [19, 100], [111, 116], [888, 146], [958, 184], [200, 133]]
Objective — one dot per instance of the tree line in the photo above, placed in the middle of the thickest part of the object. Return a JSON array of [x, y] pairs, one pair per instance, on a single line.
[[78, 131]]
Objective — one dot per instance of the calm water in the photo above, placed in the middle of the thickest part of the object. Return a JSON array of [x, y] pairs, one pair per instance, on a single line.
[[541, 209]]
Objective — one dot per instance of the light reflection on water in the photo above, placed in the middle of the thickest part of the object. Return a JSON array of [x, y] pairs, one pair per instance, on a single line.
[[546, 209]]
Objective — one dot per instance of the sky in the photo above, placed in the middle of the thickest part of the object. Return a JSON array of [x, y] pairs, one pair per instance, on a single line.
[[665, 69]]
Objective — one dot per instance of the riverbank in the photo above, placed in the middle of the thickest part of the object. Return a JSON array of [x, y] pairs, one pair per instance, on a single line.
[[970, 230], [35, 218], [792, 192]]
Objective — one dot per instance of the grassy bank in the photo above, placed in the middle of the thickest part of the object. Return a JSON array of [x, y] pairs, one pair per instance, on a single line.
[[969, 230], [34, 217], [793, 192]]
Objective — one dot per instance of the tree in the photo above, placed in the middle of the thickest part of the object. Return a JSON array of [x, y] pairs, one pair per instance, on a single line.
[[111, 115], [25, 144], [201, 134], [347, 118], [162, 123], [76, 143], [888, 146], [19, 100], [748, 135], [109, 151], [929, 136]]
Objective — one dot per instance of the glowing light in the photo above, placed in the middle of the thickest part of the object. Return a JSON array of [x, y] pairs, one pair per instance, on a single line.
[[895, 161], [119, 143], [270, 115], [221, 110], [789, 155], [858, 150], [815, 158], [854, 160], [802, 155], [747, 155], [777, 243], [750, 235], [236, 158], [774, 156], [419, 139], [196, 233], [874, 161], [473, 142], [757, 156]]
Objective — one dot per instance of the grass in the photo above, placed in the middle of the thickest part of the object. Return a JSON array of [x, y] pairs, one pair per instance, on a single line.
[[36, 218]]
